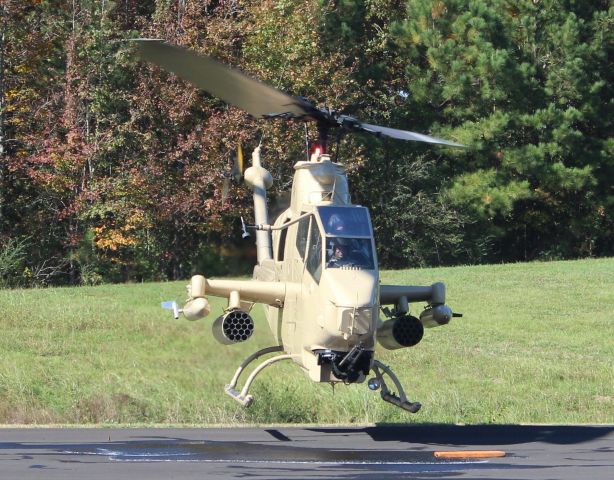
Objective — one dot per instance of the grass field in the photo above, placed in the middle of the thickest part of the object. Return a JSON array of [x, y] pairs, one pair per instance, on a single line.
[[536, 344]]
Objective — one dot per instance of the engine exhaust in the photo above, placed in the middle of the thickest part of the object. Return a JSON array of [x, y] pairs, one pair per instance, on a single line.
[[233, 327]]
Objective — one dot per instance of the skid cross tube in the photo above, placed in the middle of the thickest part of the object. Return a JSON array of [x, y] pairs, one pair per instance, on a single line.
[[388, 396], [242, 397]]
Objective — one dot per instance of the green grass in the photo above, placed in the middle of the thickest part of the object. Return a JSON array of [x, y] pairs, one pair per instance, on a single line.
[[536, 344]]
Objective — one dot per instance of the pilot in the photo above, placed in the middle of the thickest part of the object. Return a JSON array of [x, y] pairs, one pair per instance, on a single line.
[[339, 256]]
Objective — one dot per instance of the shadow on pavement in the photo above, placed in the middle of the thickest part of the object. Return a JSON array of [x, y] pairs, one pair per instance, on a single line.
[[476, 435]]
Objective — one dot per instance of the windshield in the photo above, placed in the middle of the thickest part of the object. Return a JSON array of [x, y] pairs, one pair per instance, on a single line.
[[349, 252], [345, 221]]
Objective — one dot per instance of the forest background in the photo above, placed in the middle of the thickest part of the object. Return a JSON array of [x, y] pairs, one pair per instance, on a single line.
[[112, 170]]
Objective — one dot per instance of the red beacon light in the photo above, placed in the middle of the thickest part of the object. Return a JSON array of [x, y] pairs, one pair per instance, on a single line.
[[316, 151]]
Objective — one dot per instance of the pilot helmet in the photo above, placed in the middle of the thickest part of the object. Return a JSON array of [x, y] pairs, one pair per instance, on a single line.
[[336, 224]]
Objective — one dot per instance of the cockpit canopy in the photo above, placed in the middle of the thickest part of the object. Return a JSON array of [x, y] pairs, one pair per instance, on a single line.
[[345, 233], [345, 221], [348, 237]]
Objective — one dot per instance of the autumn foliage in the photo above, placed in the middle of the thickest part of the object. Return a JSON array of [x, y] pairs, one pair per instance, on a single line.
[[112, 170]]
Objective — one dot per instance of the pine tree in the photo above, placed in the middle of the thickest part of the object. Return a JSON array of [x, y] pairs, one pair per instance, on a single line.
[[524, 86]]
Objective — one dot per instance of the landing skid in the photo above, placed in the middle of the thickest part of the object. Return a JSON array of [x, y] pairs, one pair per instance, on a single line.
[[378, 382], [243, 397]]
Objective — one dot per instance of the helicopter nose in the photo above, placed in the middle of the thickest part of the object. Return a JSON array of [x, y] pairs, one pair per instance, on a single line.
[[353, 308], [352, 288], [355, 321]]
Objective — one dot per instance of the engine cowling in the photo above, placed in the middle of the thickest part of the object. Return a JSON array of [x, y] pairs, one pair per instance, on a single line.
[[400, 332], [233, 327]]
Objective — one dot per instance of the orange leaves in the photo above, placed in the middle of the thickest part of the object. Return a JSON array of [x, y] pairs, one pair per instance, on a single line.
[[114, 238]]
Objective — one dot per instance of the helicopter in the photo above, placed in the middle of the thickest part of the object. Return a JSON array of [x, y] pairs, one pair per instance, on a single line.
[[317, 273]]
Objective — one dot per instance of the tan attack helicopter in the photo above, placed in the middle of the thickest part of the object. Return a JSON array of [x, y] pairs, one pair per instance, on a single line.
[[317, 273]]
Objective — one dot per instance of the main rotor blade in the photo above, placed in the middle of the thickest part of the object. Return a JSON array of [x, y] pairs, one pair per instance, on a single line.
[[228, 84], [405, 135]]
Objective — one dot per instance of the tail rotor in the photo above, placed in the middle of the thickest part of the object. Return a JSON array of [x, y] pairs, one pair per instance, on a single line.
[[234, 173]]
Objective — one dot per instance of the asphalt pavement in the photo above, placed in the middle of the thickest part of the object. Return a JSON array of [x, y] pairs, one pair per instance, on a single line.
[[376, 452]]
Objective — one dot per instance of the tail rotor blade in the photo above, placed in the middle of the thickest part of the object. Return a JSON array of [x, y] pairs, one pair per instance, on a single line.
[[237, 167], [235, 173]]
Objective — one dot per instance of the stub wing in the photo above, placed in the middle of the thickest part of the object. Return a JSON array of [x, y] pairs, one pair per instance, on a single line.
[[241, 295], [391, 294], [435, 314], [256, 291]]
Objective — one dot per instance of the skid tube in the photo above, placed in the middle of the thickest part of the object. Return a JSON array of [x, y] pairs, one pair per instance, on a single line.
[[401, 400], [243, 397]]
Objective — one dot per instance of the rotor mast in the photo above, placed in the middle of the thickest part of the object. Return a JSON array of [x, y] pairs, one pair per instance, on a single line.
[[323, 137]]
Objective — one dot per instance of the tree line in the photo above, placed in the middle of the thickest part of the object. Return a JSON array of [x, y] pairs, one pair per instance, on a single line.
[[113, 170]]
